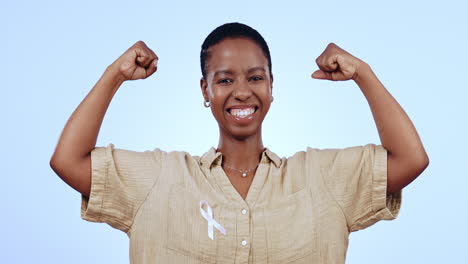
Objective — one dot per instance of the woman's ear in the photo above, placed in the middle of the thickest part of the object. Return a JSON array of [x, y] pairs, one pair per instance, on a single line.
[[271, 86], [204, 87]]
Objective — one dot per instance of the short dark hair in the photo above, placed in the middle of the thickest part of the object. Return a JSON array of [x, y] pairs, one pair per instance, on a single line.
[[232, 30]]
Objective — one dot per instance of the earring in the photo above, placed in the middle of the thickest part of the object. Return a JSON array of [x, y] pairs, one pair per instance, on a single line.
[[206, 104], [272, 98]]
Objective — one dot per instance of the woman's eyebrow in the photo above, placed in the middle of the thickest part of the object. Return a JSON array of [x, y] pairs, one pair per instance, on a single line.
[[226, 72], [229, 72], [258, 68]]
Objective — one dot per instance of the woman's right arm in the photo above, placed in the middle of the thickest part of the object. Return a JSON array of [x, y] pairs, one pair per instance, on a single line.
[[71, 159]]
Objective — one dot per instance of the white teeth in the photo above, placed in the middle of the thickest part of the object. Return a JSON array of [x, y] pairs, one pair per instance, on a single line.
[[242, 112]]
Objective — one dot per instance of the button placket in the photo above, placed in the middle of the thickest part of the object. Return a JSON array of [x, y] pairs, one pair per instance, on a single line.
[[242, 206], [243, 233]]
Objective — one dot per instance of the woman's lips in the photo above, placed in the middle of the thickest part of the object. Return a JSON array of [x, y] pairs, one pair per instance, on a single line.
[[242, 112], [242, 115]]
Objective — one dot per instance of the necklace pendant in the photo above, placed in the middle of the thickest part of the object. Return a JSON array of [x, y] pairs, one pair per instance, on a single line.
[[244, 174]]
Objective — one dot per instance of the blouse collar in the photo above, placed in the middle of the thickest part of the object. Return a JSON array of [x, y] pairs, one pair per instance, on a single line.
[[212, 157]]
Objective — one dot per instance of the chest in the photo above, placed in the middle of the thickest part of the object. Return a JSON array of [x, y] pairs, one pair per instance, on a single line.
[[301, 227], [240, 184]]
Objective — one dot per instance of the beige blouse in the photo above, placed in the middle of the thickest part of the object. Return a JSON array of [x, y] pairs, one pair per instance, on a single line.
[[299, 209]]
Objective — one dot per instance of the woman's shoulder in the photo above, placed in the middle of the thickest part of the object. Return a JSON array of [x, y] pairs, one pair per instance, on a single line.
[[155, 152], [329, 154]]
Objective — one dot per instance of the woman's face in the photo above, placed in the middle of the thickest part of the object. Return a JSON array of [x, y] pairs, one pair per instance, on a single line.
[[238, 86]]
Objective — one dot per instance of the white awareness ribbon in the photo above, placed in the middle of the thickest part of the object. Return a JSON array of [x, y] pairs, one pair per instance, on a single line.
[[208, 215]]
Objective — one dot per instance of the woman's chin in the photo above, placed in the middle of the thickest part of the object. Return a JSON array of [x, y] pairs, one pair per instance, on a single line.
[[242, 133]]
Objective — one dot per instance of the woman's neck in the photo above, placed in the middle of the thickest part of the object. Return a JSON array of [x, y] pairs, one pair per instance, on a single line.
[[241, 154]]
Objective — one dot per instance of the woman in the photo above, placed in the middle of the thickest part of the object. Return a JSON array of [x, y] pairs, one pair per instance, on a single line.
[[240, 202]]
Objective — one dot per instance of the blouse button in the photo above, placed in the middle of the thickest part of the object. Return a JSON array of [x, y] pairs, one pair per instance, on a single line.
[[244, 211], [244, 242]]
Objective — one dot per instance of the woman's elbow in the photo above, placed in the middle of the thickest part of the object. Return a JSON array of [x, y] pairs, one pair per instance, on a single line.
[[421, 163]]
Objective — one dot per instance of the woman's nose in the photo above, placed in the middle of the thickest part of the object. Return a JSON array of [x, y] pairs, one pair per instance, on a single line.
[[242, 91]]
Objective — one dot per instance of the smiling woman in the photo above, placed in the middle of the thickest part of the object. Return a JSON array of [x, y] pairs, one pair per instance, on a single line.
[[238, 86], [239, 202]]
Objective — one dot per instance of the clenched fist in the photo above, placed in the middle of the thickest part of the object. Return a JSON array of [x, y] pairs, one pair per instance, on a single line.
[[138, 62], [336, 64]]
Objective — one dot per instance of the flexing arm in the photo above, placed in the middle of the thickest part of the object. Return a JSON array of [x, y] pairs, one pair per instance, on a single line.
[[406, 158], [72, 156]]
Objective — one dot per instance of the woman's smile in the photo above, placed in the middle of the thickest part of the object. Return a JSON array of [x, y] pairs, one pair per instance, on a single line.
[[238, 87], [242, 114]]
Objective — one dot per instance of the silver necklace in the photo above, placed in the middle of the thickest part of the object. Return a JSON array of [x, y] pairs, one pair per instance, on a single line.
[[244, 173]]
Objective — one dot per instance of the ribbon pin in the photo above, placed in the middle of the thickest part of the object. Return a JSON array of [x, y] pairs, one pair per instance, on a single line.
[[208, 215]]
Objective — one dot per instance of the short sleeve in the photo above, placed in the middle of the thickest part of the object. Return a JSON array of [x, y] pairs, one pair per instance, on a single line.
[[356, 178], [120, 182]]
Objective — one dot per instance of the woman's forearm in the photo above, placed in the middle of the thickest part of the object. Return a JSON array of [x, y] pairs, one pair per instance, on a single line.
[[80, 133], [407, 157], [70, 159]]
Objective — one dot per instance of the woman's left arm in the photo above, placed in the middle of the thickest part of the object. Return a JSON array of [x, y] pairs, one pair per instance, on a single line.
[[406, 158]]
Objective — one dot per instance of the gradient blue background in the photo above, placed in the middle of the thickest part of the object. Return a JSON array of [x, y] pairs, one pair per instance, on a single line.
[[56, 50]]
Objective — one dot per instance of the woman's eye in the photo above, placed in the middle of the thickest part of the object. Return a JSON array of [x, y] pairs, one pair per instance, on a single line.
[[225, 81], [256, 78]]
